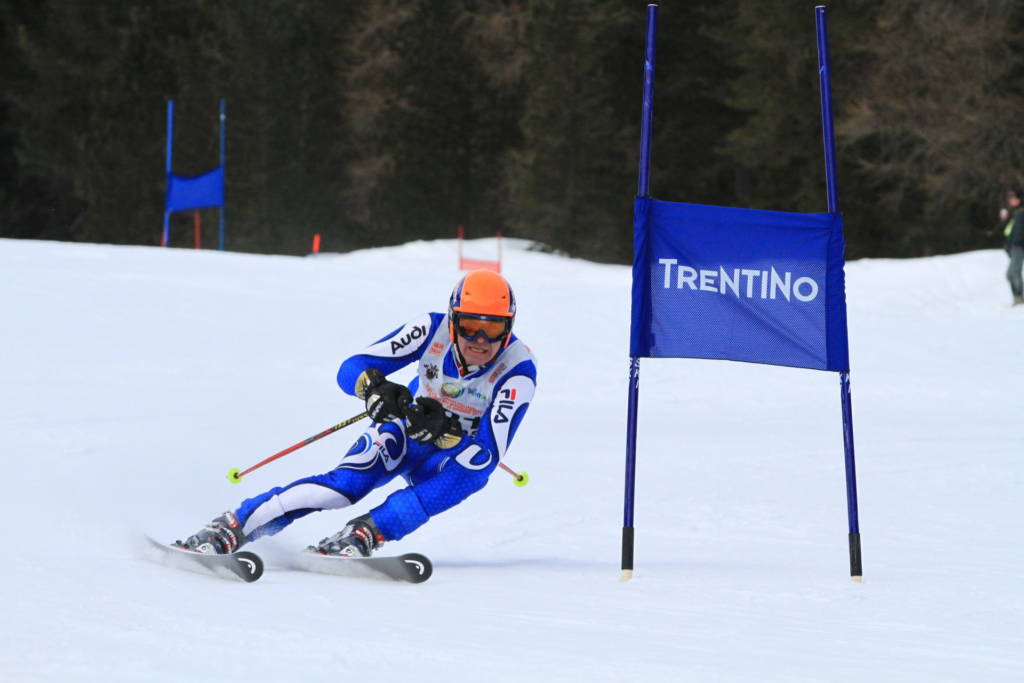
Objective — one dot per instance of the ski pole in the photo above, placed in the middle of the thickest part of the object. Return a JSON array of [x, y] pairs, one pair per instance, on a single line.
[[234, 476], [519, 478]]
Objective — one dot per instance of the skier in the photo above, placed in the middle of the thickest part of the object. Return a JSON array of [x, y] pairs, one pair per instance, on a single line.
[[474, 383]]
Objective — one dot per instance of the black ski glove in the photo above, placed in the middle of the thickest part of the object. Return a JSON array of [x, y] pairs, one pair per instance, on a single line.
[[384, 400], [428, 422]]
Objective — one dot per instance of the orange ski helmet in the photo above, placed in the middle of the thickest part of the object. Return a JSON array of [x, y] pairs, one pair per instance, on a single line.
[[482, 295]]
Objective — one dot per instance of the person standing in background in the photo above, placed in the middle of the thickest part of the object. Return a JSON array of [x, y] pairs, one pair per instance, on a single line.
[[1013, 232]]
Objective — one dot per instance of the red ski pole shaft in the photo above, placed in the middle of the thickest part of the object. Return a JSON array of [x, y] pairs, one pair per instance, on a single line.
[[235, 476], [521, 478]]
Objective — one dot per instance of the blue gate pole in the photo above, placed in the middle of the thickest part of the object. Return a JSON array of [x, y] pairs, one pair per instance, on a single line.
[[856, 571], [223, 201], [170, 142], [643, 190]]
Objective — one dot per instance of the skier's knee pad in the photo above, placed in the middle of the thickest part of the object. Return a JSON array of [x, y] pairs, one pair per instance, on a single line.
[[380, 450]]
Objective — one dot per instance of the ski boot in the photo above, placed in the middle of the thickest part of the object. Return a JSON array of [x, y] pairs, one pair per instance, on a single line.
[[221, 536], [359, 538]]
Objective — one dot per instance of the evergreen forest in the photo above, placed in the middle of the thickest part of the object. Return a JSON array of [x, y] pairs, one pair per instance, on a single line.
[[376, 123]]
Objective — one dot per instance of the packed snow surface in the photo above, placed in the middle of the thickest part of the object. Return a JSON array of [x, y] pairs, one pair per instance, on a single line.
[[134, 378]]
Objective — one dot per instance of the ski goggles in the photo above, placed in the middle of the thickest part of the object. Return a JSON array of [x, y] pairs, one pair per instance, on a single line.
[[492, 329]]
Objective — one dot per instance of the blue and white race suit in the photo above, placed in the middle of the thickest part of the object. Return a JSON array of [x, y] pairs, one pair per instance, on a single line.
[[490, 402]]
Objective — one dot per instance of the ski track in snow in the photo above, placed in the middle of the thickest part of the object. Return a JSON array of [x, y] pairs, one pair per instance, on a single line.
[[134, 378]]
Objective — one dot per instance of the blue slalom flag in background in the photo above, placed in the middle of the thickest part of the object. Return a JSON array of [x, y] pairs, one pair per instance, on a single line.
[[738, 284], [195, 192]]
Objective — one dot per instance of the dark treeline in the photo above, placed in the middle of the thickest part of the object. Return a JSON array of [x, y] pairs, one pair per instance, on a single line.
[[380, 122]]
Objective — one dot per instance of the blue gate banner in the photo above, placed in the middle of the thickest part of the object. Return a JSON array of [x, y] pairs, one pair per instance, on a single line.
[[739, 284], [195, 192]]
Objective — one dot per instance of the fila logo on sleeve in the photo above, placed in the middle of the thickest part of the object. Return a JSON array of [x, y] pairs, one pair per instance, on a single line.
[[504, 408], [513, 397]]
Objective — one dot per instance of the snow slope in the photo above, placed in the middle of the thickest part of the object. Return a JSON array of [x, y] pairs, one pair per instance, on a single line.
[[134, 378]]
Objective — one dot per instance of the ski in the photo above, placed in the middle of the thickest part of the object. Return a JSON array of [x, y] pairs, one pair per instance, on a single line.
[[243, 565], [410, 567]]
